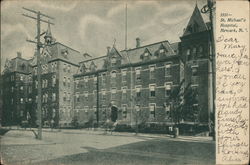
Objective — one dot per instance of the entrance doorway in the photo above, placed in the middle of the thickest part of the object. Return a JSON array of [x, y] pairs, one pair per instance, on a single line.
[[114, 113]]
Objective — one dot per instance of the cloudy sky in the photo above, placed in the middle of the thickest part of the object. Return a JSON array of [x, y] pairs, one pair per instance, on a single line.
[[91, 26]]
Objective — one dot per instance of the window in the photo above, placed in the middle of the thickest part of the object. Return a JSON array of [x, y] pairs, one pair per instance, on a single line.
[[53, 96], [95, 111], [44, 83], [137, 108], [53, 81], [152, 90], [30, 89], [68, 82], [194, 70], [53, 113], [65, 67], [113, 93], [21, 100], [167, 109], [113, 77], [21, 88], [138, 91], [46, 96], [21, 78], [124, 75], [86, 93], [152, 110], [30, 78], [168, 88], [69, 96], [188, 54], [64, 96], [124, 92], [77, 97], [138, 74], [146, 54], [162, 50], [113, 74], [36, 84], [152, 72], [64, 81], [103, 94], [12, 78], [12, 101], [168, 70], [30, 99], [124, 111], [113, 61], [86, 79], [12, 89], [35, 70], [103, 79], [43, 97], [95, 79], [36, 99], [77, 84]]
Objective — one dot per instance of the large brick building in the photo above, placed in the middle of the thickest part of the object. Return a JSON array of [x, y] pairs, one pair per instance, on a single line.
[[103, 85], [58, 64], [15, 82], [128, 86]]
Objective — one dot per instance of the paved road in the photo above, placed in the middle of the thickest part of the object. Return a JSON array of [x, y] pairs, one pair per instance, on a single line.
[[83, 147]]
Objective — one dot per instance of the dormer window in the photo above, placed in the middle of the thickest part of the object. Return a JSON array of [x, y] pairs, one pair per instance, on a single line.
[[146, 54], [113, 61], [65, 52], [162, 50]]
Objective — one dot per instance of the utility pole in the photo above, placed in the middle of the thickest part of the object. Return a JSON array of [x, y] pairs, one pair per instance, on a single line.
[[97, 99], [131, 72], [38, 46], [208, 8]]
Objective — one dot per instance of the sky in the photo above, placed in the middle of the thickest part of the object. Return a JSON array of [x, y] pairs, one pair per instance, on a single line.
[[91, 26]]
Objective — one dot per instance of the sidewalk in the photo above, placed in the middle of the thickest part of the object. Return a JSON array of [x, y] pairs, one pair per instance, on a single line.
[[100, 131]]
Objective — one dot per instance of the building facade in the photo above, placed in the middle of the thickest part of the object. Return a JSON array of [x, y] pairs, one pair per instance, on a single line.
[[103, 85], [128, 86], [14, 91]]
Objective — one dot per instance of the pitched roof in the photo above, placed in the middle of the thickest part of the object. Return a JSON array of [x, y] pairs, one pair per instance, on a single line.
[[196, 19], [56, 51], [135, 54]]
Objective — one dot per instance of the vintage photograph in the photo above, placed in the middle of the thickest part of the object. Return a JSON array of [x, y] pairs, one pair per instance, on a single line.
[[107, 82]]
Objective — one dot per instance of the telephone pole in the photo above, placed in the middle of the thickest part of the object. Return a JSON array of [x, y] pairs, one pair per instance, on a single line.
[[38, 46], [209, 8]]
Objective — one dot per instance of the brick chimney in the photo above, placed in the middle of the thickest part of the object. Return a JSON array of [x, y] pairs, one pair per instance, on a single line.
[[138, 42], [108, 50], [19, 54]]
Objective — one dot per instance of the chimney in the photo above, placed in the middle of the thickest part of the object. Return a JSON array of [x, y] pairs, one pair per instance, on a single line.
[[138, 42], [108, 50], [19, 54]]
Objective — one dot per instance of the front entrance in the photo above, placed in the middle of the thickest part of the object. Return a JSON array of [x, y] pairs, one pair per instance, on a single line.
[[114, 113]]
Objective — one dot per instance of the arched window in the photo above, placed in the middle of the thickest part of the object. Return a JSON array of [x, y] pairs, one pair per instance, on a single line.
[[113, 74]]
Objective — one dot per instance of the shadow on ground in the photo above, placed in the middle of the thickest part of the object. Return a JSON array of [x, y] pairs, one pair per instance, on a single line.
[[156, 151]]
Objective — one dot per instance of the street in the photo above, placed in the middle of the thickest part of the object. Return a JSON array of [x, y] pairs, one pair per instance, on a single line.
[[96, 147]]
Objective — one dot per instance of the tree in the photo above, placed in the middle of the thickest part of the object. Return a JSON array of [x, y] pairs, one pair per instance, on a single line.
[[175, 100], [191, 108]]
